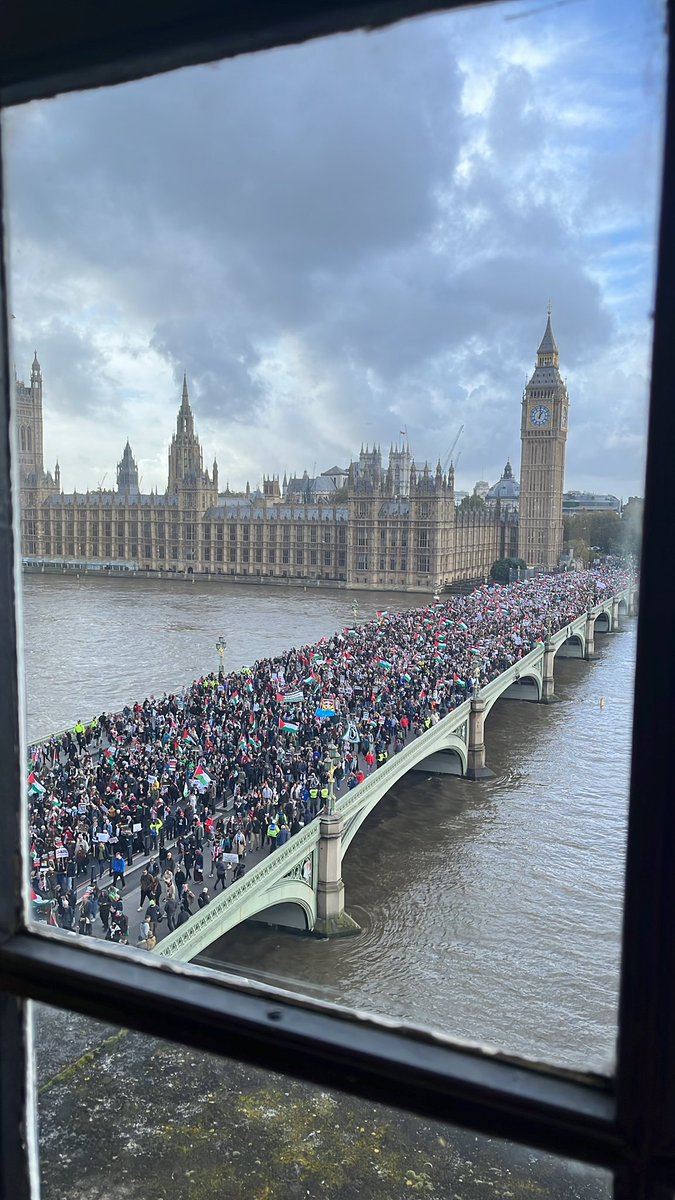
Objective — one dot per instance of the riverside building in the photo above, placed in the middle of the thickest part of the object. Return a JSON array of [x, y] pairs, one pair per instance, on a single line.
[[384, 522]]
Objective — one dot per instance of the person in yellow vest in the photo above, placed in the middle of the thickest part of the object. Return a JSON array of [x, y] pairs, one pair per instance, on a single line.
[[156, 827], [325, 793], [272, 834]]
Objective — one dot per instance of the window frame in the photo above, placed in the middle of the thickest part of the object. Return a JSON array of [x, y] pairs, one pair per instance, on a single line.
[[625, 1122]]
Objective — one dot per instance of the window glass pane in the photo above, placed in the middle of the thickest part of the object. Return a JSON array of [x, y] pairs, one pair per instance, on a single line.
[[329, 246], [125, 1115]]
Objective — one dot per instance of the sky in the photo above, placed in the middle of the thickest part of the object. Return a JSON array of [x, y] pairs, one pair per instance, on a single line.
[[348, 239]]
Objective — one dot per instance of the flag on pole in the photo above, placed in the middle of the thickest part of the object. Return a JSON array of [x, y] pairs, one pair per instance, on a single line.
[[35, 788], [201, 777], [288, 726]]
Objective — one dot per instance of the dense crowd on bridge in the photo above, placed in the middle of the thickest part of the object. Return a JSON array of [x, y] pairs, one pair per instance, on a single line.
[[264, 741]]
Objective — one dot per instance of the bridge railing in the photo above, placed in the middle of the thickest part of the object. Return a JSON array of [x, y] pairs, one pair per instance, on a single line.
[[268, 872]]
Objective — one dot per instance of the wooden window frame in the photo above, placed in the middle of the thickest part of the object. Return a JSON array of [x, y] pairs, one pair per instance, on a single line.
[[624, 1122]]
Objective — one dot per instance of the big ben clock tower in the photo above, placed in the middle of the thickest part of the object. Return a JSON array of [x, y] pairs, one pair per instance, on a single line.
[[543, 433]]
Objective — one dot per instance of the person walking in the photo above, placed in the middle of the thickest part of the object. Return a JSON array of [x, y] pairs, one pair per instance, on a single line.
[[171, 907], [272, 834], [221, 872], [146, 887], [101, 857], [119, 866]]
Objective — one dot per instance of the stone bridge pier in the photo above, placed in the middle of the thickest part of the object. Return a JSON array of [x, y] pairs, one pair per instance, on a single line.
[[590, 636], [475, 764], [548, 684], [331, 918]]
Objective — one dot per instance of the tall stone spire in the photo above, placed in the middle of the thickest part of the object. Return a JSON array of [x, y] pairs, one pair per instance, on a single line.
[[548, 354], [185, 423], [127, 474], [185, 453]]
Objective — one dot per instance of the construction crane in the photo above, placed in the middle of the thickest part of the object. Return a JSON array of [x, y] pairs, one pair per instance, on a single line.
[[448, 459]]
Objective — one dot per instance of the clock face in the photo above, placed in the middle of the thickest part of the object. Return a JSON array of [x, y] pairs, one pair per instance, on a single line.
[[540, 415]]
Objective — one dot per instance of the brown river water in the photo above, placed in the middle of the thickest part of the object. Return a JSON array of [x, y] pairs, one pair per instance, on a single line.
[[491, 910]]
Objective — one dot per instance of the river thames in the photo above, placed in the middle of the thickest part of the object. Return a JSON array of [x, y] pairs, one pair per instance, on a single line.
[[491, 910]]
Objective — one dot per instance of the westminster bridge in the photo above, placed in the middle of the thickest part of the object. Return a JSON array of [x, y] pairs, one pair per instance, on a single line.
[[300, 884]]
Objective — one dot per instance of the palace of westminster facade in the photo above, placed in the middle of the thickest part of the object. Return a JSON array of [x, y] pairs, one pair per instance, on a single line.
[[392, 527]]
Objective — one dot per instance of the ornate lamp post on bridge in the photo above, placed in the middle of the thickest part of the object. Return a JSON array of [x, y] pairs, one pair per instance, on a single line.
[[221, 646], [334, 759]]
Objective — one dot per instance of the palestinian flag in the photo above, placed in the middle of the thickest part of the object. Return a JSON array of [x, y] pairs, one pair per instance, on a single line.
[[109, 755], [288, 726], [35, 788], [187, 737], [201, 777]]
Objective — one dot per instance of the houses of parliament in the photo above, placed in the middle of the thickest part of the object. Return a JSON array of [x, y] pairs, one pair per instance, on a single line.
[[388, 525]]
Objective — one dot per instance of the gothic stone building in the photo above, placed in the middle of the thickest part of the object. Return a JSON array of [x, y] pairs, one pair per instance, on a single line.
[[392, 526], [543, 433]]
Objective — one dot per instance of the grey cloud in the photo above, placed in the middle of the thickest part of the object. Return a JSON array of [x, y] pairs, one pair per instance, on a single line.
[[77, 370]]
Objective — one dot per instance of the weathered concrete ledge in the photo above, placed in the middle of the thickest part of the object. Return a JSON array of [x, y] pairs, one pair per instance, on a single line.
[[339, 926]]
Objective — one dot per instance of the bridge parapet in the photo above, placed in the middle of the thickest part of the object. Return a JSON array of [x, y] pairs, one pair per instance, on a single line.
[[242, 899]]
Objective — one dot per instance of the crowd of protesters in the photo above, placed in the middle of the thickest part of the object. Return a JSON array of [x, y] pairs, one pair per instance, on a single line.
[[239, 763]]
